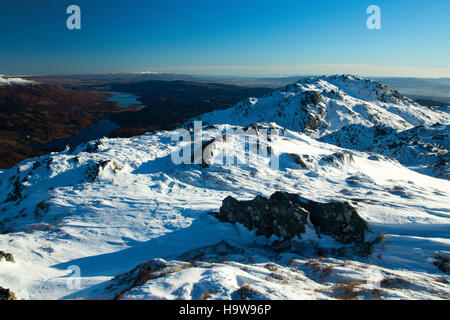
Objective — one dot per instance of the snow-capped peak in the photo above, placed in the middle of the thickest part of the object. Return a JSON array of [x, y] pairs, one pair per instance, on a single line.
[[325, 104], [5, 81]]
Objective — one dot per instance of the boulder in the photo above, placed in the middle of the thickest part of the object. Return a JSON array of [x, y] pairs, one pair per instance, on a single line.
[[337, 219], [7, 256], [268, 217], [288, 215]]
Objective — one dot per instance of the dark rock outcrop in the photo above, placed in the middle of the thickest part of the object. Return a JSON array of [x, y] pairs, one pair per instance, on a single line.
[[267, 216], [286, 215], [211, 253], [311, 97], [6, 294], [339, 158], [298, 160], [203, 154], [337, 219], [16, 193], [7, 256], [91, 147], [93, 171], [442, 261]]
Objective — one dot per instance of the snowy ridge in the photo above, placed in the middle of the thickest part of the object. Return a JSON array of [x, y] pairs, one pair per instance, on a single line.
[[321, 105], [116, 207], [15, 82], [330, 108], [422, 148]]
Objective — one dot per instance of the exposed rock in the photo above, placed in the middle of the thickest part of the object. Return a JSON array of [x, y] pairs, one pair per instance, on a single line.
[[246, 292], [202, 155], [36, 165], [16, 193], [311, 97], [442, 261], [6, 294], [48, 163], [337, 219], [394, 283], [339, 158], [116, 167], [286, 215], [42, 208], [268, 217], [142, 273], [7, 256], [215, 252], [92, 172], [92, 147], [298, 160], [315, 120]]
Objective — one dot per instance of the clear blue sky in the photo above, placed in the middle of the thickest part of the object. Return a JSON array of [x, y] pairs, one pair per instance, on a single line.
[[226, 37]]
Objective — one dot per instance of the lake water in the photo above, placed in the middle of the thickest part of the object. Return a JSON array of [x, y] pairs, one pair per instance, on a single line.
[[124, 99], [98, 130]]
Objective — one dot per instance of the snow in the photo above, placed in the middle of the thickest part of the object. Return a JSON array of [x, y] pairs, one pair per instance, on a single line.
[[15, 82], [423, 148], [152, 208], [344, 100], [109, 210]]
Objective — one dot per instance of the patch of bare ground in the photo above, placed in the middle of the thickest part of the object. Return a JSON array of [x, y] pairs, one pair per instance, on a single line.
[[246, 292], [394, 283], [320, 269], [442, 261], [349, 290]]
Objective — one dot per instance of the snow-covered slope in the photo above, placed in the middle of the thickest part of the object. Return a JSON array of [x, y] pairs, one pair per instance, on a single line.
[[122, 207], [336, 107], [422, 148], [321, 105], [15, 82]]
